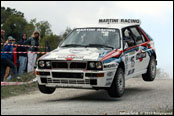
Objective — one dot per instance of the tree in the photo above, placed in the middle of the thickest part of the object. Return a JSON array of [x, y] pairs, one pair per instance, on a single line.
[[14, 26], [6, 12], [67, 31], [44, 27], [53, 41], [29, 29]]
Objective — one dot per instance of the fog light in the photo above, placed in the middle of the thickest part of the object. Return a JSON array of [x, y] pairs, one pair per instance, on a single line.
[[100, 75], [37, 73]]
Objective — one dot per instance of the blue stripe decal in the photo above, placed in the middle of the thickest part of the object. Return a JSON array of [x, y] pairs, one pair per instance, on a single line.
[[118, 60]]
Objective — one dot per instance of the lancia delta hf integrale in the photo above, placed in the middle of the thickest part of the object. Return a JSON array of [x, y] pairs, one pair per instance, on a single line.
[[100, 57]]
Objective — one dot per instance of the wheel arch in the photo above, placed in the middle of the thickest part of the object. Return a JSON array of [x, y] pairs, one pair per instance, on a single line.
[[154, 54], [121, 65]]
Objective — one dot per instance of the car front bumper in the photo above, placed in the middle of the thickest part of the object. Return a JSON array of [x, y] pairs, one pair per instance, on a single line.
[[88, 79]]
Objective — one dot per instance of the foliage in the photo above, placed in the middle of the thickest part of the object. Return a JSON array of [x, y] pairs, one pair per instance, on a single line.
[[5, 13], [15, 24]]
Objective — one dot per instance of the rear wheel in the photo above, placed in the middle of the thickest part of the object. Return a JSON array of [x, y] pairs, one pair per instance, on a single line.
[[118, 85], [151, 70], [46, 90]]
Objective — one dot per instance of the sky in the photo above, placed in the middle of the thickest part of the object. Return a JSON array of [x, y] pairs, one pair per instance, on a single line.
[[156, 19]]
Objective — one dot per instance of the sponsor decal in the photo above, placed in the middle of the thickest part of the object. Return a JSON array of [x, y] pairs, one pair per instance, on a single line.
[[109, 74], [120, 21], [131, 71], [131, 53], [140, 56], [71, 57], [110, 65], [76, 50], [108, 83], [104, 30]]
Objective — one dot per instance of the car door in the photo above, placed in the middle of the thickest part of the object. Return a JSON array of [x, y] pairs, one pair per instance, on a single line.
[[142, 57], [129, 52]]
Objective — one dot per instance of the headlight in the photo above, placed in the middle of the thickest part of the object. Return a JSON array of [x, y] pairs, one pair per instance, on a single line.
[[41, 64], [92, 65], [98, 65], [48, 63]]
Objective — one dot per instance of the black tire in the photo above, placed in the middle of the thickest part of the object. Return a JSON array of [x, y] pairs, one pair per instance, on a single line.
[[151, 70], [118, 85], [46, 90]]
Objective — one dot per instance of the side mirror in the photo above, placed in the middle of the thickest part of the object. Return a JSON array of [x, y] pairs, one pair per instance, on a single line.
[[130, 42], [125, 45]]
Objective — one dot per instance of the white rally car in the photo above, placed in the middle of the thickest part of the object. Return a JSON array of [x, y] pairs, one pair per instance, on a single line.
[[100, 57]]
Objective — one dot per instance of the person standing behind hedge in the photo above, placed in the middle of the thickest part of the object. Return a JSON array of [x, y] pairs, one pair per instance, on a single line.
[[33, 41]]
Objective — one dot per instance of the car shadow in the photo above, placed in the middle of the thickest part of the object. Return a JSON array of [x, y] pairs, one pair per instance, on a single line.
[[102, 95]]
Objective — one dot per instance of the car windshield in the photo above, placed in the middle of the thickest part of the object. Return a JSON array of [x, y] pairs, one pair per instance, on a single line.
[[93, 37]]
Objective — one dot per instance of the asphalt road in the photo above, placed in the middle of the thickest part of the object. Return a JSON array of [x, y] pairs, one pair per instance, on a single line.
[[140, 96]]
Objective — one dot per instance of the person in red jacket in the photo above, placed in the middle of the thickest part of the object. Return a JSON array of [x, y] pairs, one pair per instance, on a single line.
[[15, 54]]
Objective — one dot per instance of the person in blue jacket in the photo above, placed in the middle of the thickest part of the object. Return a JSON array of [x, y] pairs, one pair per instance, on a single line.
[[7, 58]]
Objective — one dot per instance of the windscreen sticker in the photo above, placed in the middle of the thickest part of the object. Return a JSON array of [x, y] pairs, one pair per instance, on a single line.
[[96, 29]]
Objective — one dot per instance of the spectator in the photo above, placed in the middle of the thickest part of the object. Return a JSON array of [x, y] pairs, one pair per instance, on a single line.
[[2, 36], [33, 41], [15, 62], [22, 57], [7, 59]]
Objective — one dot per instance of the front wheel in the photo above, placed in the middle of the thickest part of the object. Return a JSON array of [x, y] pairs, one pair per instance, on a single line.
[[46, 90], [151, 70], [118, 85]]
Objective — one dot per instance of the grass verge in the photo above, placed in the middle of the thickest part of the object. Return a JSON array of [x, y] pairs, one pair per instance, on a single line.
[[15, 90]]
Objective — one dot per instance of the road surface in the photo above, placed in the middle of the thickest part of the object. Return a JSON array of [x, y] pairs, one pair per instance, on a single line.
[[139, 96]]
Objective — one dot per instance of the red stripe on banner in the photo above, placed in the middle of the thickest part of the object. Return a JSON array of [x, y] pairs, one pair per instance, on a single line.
[[15, 83], [23, 52], [23, 45]]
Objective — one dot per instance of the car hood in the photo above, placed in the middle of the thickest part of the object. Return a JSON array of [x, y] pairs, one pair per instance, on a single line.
[[86, 54]]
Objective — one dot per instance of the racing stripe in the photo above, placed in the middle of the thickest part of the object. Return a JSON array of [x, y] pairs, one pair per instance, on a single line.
[[114, 53]]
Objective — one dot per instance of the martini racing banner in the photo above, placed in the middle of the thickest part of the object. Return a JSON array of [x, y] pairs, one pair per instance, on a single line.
[[120, 21]]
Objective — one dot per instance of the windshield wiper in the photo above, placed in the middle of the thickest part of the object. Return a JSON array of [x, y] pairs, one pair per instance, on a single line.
[[99, 45], [73, 45]]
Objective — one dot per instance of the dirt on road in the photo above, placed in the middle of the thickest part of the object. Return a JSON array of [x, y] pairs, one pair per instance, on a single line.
[[139, 96]]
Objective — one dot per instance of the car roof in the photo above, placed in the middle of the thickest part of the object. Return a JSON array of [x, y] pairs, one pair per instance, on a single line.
[[117, 26]]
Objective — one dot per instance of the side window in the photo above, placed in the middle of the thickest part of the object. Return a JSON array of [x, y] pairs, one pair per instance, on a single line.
[[128, 37], [138, 37]]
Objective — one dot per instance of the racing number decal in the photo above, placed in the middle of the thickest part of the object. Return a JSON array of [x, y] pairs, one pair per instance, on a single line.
[[126, 63], [132, 61]]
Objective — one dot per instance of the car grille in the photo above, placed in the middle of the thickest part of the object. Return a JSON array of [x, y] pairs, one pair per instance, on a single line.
[[59, 65], [67, 75], [69, 65], [86, 81]]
